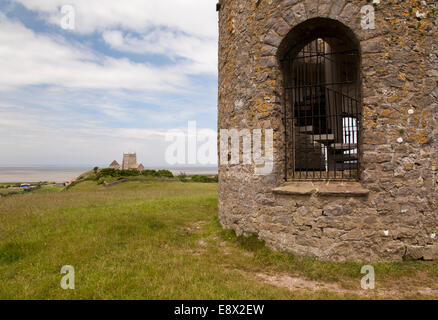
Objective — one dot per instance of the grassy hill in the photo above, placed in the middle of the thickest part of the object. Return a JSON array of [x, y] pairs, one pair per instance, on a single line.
[[162, 240]]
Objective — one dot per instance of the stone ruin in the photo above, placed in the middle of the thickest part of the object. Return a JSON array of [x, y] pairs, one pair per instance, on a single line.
[[350, 91], [129, 163]]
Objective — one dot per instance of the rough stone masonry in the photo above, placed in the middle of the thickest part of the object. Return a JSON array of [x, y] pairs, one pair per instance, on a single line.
[[391, 213]]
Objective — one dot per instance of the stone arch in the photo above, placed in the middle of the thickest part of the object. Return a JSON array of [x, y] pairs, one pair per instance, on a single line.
[[323, 27], [334, 100], [294, 13]]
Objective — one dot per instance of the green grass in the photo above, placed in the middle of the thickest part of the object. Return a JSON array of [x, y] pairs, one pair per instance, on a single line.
[[9, 192], [151, 240], [47, 188]]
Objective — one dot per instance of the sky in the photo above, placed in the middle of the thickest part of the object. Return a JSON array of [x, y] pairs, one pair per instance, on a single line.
[[126, 74]]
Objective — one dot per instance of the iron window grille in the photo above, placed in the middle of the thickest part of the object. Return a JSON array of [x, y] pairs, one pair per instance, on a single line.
[[322, 112]]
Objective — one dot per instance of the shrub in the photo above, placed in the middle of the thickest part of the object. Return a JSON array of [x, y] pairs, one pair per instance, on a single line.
[[129, 173], [204, 179], [164, 174], [149, 173], [182, 177], [108, 172]]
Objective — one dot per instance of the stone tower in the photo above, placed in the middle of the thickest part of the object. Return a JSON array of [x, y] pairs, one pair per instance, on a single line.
[[349, 92], [129, 161]]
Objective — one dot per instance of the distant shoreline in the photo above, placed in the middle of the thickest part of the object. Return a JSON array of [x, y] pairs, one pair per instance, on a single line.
[[62, 174]]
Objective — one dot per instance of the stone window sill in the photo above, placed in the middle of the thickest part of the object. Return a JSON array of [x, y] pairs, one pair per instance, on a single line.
[[347, 189]]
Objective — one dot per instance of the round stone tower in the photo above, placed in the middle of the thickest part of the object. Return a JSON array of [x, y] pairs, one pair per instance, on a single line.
[[341, 98]]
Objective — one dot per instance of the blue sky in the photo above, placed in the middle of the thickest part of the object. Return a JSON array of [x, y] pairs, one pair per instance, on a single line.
[[128, 73]]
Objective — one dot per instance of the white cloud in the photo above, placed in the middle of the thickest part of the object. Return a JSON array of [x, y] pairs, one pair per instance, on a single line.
[[190, 26], [196, 17], [203, 52], [27, 58]]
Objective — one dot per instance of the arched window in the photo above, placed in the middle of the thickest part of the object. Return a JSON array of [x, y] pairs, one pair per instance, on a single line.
[[322, 106]]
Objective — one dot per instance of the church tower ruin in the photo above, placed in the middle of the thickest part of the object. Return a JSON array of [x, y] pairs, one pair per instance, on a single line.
[[129, 161]]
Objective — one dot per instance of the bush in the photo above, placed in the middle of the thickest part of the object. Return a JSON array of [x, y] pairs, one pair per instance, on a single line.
[[164, 174], [182, 177], [108, 172], [149, 173], [129, 173], [204, 179]]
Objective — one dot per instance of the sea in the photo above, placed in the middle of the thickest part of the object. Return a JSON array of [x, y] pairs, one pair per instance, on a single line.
[[62, 174]]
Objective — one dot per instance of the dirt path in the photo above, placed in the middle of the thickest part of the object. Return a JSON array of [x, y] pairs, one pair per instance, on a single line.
[[389, 292]]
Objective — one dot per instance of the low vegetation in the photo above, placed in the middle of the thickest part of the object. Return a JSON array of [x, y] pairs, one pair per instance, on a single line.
[[132, 173], [12, 189], [109, 175], [198, 178], [156, 239]]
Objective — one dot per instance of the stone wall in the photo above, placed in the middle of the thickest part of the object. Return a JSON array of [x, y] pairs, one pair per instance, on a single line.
[[397, 217]]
